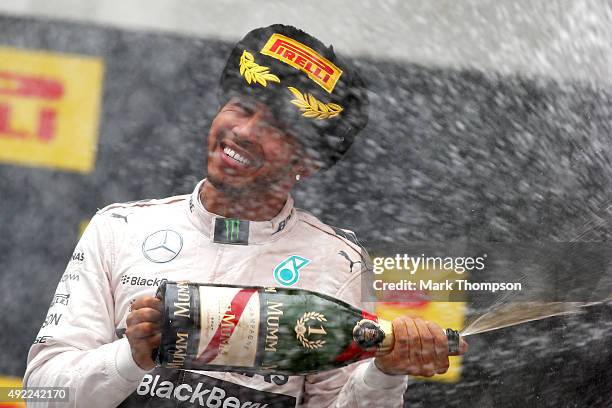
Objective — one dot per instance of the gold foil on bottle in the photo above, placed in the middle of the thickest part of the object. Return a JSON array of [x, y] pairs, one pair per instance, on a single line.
[[387, 344]]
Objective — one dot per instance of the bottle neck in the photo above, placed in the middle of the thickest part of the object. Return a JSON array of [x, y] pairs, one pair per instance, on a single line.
[[369, 334], [386, 345], [376, 336]]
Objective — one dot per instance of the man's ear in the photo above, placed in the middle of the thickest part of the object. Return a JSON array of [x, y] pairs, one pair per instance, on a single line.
[[307, 167]]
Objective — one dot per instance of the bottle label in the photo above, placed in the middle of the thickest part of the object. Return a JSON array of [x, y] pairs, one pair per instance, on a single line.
[[229, 325]]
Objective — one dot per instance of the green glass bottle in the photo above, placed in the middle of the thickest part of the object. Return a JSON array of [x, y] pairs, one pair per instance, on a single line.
[[256, 329]]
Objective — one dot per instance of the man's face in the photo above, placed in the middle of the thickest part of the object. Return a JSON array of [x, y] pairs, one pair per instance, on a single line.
[[248, 150]]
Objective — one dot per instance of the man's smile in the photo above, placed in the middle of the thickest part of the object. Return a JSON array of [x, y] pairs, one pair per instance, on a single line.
[[237, 157]]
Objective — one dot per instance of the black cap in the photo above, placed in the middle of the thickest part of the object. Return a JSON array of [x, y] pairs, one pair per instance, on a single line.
[[317, 95]]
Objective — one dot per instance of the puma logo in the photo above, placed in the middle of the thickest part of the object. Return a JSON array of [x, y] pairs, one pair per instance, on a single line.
[[351, 262], [124, 217]]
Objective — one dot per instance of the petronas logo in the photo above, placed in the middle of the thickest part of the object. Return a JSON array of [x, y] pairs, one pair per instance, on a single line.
[[232, 229]]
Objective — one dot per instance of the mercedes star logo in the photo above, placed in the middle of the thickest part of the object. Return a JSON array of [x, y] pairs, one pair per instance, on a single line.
[[162, 246]]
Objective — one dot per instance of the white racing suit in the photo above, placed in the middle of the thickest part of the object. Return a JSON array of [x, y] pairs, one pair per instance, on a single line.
[[129, 249]]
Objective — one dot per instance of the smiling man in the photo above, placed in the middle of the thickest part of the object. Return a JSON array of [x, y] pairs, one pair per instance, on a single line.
[[290, 107], [253, 162]]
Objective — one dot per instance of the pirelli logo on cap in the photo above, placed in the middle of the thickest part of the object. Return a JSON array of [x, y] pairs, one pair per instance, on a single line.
[[304, 58]]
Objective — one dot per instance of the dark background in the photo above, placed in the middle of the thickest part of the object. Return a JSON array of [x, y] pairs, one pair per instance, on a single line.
[[448, 155]]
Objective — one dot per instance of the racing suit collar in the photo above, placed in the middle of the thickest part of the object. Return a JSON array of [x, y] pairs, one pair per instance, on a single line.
[[239, 232]]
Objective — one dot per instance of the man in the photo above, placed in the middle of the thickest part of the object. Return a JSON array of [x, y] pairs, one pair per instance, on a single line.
[[290, 107]]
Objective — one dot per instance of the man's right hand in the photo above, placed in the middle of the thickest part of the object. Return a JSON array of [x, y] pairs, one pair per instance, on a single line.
[[144, 330]]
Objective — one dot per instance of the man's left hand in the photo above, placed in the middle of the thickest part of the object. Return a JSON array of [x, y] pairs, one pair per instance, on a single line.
[[420, 348]]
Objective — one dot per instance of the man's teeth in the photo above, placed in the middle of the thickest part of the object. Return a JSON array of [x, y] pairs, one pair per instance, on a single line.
[[240, 159]]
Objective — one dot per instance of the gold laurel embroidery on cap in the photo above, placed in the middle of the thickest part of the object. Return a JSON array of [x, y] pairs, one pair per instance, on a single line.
[[312, 107], [253, 72]]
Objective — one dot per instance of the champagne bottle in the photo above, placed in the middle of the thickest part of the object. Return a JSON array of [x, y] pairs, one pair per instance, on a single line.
[[214, 327]]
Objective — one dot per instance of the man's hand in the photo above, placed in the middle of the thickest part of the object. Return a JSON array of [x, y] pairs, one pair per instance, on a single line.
[[420, 348], [144, 330]]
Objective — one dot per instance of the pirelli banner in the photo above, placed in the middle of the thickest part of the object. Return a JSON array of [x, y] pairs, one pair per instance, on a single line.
[[49, 108], [91, 115]]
